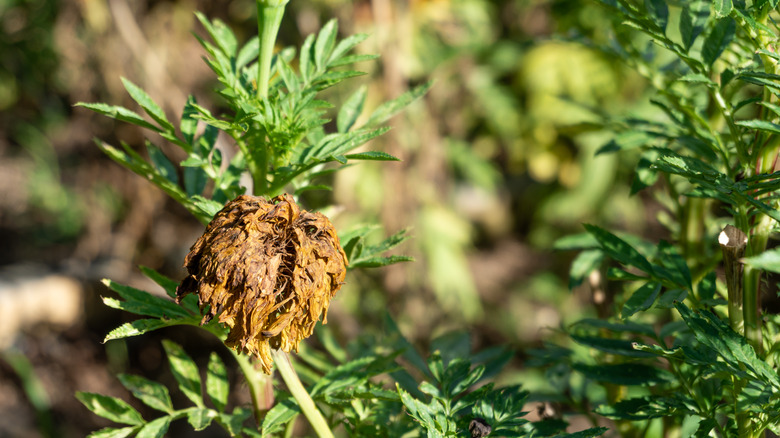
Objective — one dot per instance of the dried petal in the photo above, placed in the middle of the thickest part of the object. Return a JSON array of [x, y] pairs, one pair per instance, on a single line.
[[266, 269]]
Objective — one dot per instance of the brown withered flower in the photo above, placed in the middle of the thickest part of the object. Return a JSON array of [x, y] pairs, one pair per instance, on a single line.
[[266, 269]]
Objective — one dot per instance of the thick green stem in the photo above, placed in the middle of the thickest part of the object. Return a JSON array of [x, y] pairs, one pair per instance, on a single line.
[[260, 385], [294, 385], [269, 18]]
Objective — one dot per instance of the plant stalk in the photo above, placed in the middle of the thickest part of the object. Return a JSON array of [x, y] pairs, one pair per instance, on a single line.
[[309, 409], [260, 386], [269, 19], [733, 243]]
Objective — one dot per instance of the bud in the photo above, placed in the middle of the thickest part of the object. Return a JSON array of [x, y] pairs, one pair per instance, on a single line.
[[266, 269]]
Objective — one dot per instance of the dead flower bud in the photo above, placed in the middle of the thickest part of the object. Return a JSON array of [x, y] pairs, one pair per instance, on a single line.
[[266, 269]]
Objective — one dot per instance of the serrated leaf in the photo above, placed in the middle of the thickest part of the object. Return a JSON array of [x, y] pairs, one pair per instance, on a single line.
[[619, 347], [345, 46], [351, 110], [625, 373], [760, 125], [388, 109], [113, 432], [112, 408], [138, 327], [168, 284], [281, 414], [119, 113], [217, 382], [200, 419], [155, 428], [163, 165], [149, 105], [143, 303], [641, 300], [722, 7], [326, 41], [692, 20], [720, 36], [148, 391], [372, 155], [189, 124], [619, 249], [185, 371]]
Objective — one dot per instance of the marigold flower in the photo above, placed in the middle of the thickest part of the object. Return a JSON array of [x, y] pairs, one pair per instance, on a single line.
[[268, 270]]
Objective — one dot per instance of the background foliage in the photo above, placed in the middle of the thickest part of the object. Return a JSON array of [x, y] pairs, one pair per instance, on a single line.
[[496, 166]]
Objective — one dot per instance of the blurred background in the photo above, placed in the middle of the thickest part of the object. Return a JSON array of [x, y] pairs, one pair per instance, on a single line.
[[498, 162]]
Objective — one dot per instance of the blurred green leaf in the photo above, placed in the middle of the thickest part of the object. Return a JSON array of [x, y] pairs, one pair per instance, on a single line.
[[625, 373], [155, 428], [150, 392], [641, 300], [768, 260], [720, 35], [112, 408], [200, 418], [113, 432]]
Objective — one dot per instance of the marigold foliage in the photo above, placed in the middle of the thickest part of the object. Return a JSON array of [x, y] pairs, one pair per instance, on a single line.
[[266, 269]]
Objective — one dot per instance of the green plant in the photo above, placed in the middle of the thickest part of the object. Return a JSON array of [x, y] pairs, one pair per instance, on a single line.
[[675, 347], [277, 123]]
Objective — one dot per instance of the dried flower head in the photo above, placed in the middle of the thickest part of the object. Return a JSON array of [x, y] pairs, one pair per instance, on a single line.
[[268, 270]]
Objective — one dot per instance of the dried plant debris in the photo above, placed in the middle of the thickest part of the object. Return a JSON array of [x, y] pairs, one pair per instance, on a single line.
[[266, 269]]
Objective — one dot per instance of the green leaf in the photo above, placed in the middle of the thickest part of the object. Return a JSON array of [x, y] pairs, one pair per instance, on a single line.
[[281, 414], [113, 432], [372, 155], [143, 303], [760, 125], [659, 11], [155, 428], [388, 109], [625, 373], [351, 110], [112, 408], [185, 371], [217, 382], [719, 37], [323, 47], [619, 347], [200, 419], [119, 113], [715, 334], [220, 33], [146, 102], [166, 283], [768, 260], [189, 124], [150, 392], [619, 249], [344, 46], [162, 163], [722, 7], [641, 300], [585, 263], [139, 327], [692, 20]]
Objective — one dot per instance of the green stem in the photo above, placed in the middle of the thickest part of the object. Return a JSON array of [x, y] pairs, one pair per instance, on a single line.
[[309, 409], [269, 18], [260, 385]]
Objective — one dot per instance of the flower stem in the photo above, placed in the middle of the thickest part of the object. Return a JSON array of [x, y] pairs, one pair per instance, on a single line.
[[290, 377], [260, 385], [269, 18]]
